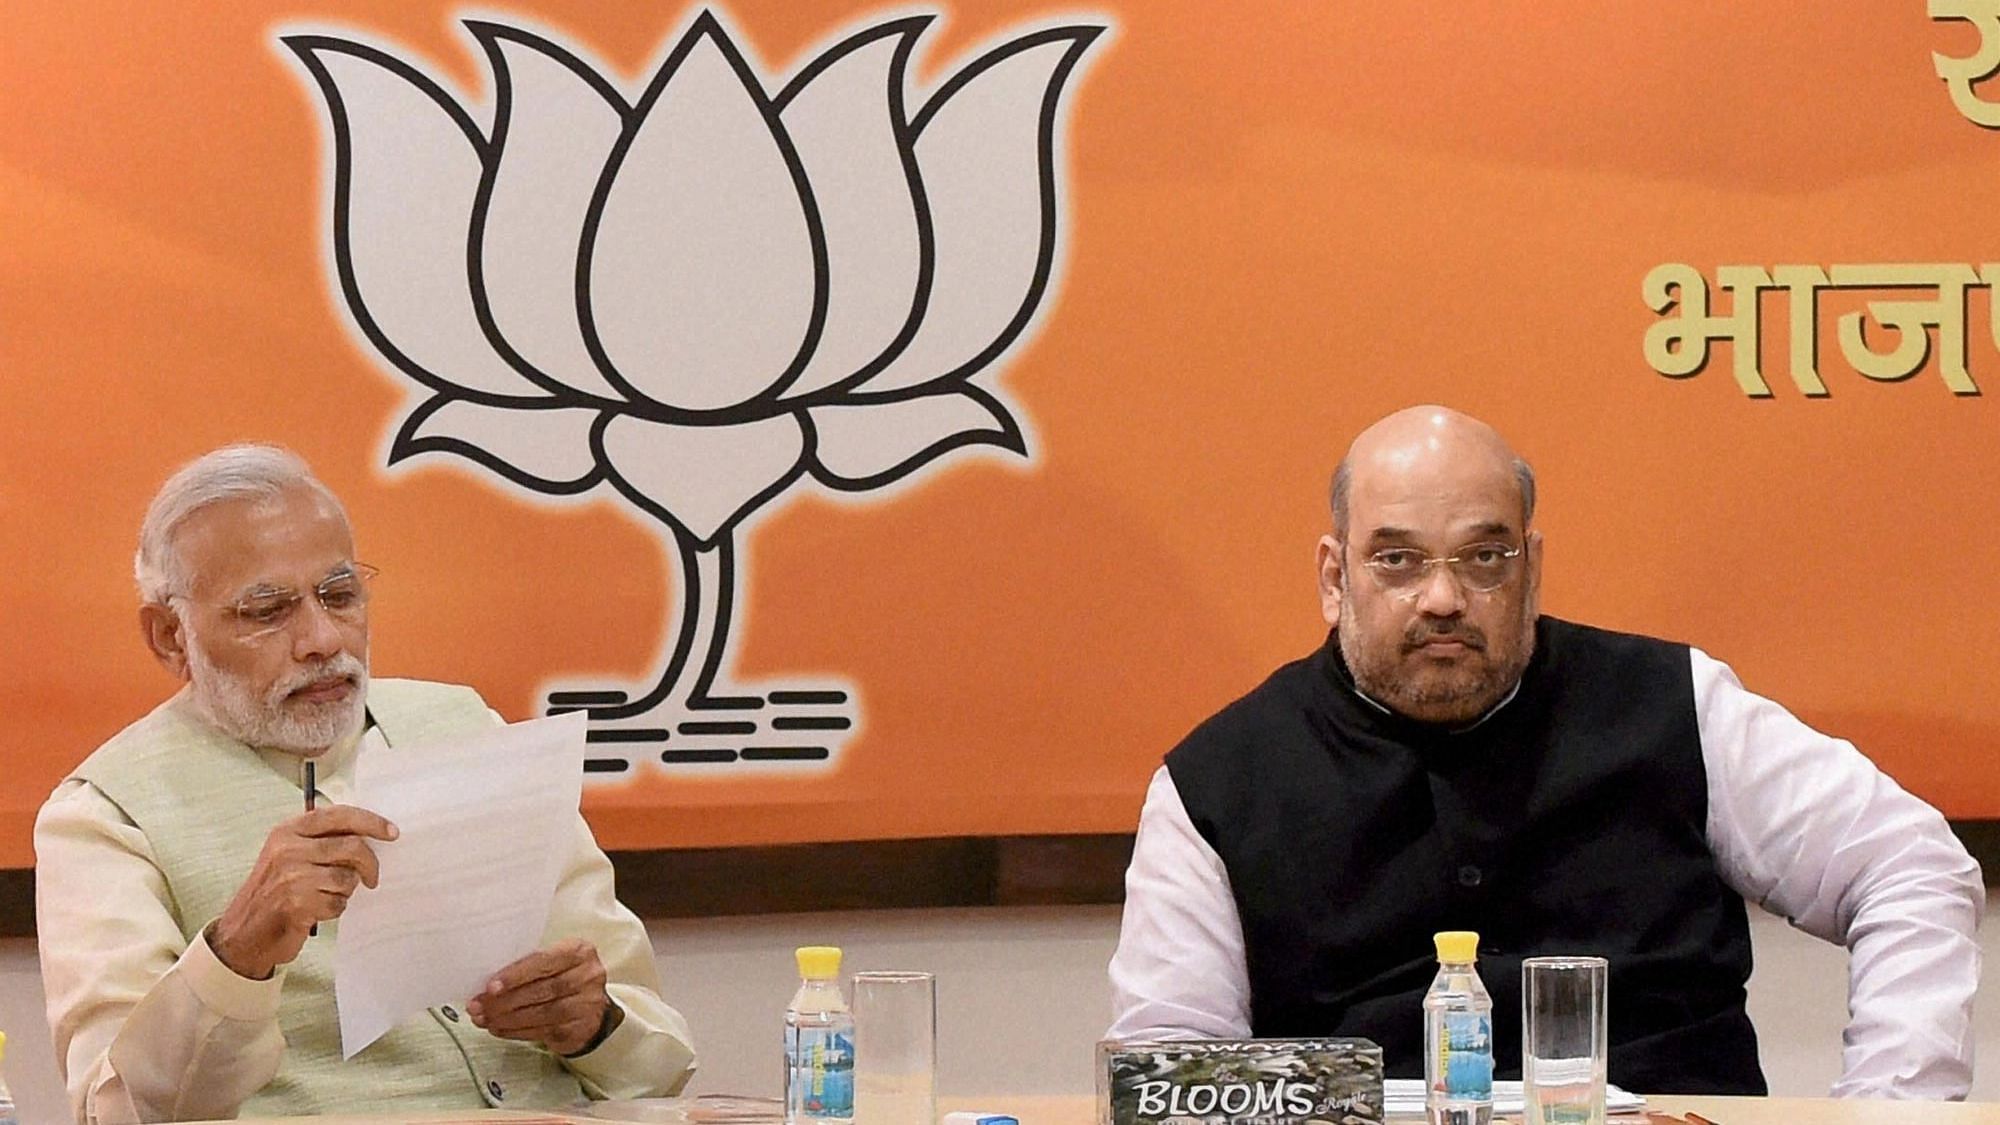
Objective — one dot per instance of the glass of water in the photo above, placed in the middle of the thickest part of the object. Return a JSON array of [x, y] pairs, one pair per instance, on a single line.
[[895, 1048], [1563, 1040]]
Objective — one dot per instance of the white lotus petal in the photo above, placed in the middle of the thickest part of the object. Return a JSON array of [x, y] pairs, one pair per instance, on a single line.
[[545, 450], [865, 446], [555, 131], [404, 207], [702, 478], [702, 274], [844, 122], [981, 147]]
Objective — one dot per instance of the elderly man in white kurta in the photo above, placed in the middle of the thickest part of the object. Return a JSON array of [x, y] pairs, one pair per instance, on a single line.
[[185, 908]]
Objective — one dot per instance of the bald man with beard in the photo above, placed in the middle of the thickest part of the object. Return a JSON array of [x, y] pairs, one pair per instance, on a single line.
[[1453, 759]]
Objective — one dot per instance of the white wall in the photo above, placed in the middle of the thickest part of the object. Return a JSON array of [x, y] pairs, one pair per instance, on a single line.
[[1022, 997]]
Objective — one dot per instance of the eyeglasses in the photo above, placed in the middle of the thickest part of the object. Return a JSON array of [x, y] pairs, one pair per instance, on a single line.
[[1479, 567], [342, 594]]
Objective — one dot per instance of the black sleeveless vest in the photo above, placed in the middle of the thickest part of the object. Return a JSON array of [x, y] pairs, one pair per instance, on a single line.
[[1572, 820]]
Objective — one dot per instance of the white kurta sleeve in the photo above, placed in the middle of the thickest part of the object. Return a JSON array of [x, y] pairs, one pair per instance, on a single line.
[[651, 1054], [1179, 971], [1804, 825], [147, 1026]]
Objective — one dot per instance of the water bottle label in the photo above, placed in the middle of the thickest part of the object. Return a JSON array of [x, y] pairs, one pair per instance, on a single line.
[[822, 1061], [1465, 1055]]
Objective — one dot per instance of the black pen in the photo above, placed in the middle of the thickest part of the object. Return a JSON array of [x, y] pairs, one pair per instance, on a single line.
[[311, 786]]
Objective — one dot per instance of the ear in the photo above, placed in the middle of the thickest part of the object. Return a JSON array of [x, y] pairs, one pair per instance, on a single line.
[[1534, 575], [1330, 561], [164, 636]]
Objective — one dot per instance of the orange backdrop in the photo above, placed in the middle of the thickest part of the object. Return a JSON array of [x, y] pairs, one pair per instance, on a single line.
[[1283, 220]]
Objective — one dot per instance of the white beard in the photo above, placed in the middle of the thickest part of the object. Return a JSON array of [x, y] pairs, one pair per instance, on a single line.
[[271, 723]]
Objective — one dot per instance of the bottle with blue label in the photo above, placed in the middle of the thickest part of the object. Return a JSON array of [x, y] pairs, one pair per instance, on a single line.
[[7, 1112], [819, 1044], [1458, 1036]]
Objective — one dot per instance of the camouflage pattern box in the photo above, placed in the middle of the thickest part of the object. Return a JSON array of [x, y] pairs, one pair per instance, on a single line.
[[1240, 1082]]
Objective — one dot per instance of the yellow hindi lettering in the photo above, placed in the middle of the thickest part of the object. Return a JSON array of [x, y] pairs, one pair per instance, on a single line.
[[1960, 74], [1989, 276], [1677, 346], [1911, 321], [1802, 285]]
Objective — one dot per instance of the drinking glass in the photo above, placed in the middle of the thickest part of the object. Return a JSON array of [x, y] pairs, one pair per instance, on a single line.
[[1563, 1041], [895, 1048]]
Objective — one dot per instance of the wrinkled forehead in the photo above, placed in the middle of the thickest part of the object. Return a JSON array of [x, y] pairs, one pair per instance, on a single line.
[[1428, 492], [292, 540]]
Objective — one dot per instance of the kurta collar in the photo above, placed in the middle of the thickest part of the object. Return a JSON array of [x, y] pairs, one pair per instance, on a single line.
[[336, 761], [1344, 680]]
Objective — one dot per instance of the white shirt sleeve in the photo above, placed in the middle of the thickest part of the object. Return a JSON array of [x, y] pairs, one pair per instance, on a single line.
[[1805, 826], [1179, 971], [147, 1026]]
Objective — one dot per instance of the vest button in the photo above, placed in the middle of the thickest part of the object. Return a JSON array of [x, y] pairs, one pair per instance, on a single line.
[[450, 1013], [1470, 876], [493, 1087]]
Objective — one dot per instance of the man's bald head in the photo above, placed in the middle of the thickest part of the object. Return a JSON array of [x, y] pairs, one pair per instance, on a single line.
[[1420, 437], [1431, 576]]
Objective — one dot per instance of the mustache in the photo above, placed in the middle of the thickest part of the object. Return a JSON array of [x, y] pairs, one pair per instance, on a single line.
[[341, 666], [1421, 633]]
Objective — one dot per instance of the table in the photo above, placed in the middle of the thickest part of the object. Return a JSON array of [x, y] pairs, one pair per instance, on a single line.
[[1723, 1111], [1083, 1111]]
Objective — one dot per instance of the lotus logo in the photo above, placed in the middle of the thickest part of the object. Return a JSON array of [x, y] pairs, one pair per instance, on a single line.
[[698, 296]]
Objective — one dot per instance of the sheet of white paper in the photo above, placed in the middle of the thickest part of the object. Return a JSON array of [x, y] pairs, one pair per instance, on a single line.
[[486, 822]]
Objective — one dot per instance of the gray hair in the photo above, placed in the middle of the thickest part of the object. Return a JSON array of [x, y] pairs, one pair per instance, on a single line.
[[1343, 483], [234, 472]]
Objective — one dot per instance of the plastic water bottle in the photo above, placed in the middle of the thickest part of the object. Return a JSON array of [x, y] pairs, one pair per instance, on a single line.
[[1458, 1036], [819, 1044], [7, 1114]]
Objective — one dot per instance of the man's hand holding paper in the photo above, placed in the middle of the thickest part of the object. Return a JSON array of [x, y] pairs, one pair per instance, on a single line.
[[555, 997], [464, 892], [179, 887]]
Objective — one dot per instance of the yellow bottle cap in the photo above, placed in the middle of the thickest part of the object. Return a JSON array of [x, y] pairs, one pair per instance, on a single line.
[[818, 962], [1457, 947]]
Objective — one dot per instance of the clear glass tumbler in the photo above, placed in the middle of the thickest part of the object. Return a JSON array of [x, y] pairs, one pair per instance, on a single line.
[[895, 1048], [1563, 1040]]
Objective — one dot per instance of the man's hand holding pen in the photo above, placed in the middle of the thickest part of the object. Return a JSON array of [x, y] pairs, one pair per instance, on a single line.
[[308, 868]]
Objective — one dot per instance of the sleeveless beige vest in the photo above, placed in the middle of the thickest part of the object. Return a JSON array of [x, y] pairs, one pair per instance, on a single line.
[[205, 803]]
